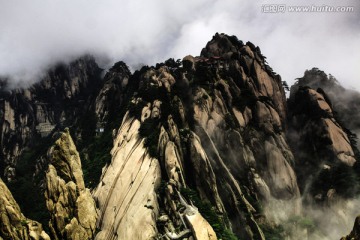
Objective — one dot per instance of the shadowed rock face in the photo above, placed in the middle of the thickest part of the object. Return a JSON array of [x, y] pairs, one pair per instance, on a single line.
[[13, 224], [110, 98], [320, 143], [344, 102], [314, 115], [72, 209], [251, 95], [60, 99]]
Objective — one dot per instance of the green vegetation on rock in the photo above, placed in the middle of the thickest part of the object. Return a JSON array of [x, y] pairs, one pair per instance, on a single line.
[[150, 130], [26, 187], [95, 157], [208, 212]]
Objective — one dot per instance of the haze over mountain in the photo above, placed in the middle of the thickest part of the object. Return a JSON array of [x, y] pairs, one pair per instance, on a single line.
[[39, 34]]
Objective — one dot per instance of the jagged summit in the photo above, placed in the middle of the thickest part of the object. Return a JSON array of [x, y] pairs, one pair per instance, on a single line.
[[227, 47], [345, 102], [317, 78], [316, 132], [72, 209], [119, 67], [222, 45]]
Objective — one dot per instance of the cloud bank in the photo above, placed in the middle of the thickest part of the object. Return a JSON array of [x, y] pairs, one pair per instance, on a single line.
[[37, 34]]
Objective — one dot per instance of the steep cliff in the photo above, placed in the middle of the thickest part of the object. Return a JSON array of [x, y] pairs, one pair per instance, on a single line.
[[324, 155], [72, 209], [109, 100], [126, 192], [345, 102], [72, 95], [60, 99], [13, 224], [209, 129]]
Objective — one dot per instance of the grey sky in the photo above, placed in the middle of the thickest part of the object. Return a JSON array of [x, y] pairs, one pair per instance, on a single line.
[[36, 34]]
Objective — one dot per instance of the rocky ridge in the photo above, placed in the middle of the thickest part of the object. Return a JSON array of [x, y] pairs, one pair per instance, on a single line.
[[71, 206]]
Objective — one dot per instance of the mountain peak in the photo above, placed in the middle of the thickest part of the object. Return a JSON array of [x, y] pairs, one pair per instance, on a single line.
[[220, 45], [120, 67], [317, 78]]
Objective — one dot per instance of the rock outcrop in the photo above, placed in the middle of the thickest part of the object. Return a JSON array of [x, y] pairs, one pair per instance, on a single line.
[[321, 145], [311, 110], [60, 99], [109, 100], [199, 226], [345, 102], [222, 136], [126, 196], [13, 224], [249, 97], [71, 206]]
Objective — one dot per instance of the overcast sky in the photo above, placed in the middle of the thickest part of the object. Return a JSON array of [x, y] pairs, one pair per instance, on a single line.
[[36, 34]]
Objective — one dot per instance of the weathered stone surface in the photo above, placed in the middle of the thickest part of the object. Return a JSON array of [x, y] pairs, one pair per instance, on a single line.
[[110, 97], [317, 137], [244, 116], [346, 102], [126, 197], [200, 228], [173, 164], [205, 176], [72, 209], [13, 224], [282, 178], [64, 94]]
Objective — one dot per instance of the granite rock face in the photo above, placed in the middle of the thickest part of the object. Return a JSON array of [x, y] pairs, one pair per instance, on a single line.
[[212, 124], [126, 193], [71, 206], [64, 94], [344, 102], [13, 224], [109, 100], [321, 146]]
